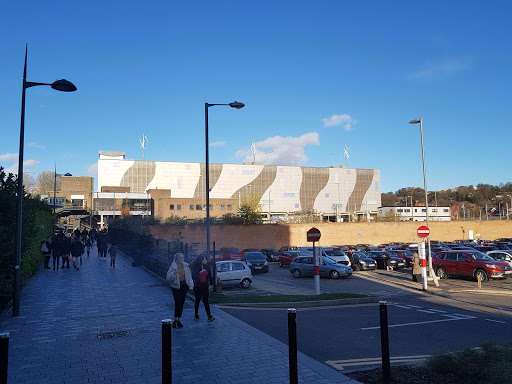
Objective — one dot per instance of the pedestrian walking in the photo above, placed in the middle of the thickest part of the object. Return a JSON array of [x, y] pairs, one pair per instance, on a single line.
[[46, 252], [88, 245], [416, 268], [77, 249], [113, 252], [202, 280], [66, 244], [389, 266], [56, 249], [180, 280]]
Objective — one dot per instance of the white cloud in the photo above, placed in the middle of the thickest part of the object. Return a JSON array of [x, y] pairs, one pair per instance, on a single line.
[[340, 120], [36, 145], [92, 170], [279, 150], [217, 144], [439, 69], [9, 157], [26, 164]]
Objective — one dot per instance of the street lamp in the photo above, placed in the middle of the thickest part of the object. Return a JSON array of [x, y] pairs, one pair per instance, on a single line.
[[420, 121], [236, 105], [59, 85]]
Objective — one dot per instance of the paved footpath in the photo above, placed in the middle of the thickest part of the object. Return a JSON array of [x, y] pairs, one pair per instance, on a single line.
[[103, 325]]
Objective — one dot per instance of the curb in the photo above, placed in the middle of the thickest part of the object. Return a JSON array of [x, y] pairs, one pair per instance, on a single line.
[[304, 304], [481, 292]]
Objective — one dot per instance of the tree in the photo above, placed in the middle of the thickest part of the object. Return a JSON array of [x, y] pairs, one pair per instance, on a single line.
[[250, 210], [45, 182]]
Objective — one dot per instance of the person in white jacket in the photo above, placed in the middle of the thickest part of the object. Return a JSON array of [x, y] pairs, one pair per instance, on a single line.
[[180, 280]]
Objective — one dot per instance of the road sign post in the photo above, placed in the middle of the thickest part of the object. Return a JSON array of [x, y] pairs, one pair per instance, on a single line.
[[424, 232], [313, 235], [423, 264]]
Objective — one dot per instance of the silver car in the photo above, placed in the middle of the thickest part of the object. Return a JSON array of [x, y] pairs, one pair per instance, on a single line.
[[232, 273]]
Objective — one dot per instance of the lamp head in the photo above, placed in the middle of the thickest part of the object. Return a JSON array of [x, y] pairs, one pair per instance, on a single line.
[[416, 121], [63, 86], [237, 105]]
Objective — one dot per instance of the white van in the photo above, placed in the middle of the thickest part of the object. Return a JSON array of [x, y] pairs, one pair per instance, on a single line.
[[334, 253]]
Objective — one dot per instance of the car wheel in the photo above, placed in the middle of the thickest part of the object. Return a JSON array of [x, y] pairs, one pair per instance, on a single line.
[[334, 274], [357, 267], [246, 283], [441, 273], [296, 273], [482, 274]]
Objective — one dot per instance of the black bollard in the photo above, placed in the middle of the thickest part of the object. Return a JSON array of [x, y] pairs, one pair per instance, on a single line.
[[166, 351], [4, 356], [384, 341], [292, 345]]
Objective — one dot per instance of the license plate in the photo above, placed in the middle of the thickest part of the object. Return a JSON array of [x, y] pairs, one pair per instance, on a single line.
[[257, 267], [371, 265], [507, 272]]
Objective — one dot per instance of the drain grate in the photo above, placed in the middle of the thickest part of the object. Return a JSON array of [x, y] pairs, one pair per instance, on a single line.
[[112, 335]]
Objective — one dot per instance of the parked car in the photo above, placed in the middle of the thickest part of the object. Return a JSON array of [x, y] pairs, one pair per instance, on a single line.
[[230, 254], [380, 258], [469, 264], [363, 262], [405, 255], [217, 255], [304, 266], [286, 248], [287, 257], [503, 255], [233, 273], [257, 261], [333, 253], [271, 253]]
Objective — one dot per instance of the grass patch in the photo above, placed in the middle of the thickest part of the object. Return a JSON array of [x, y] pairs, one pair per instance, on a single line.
[[219, 298], [490, 364]]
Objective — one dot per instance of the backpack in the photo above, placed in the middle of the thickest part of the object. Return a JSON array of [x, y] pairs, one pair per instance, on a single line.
[[44, 248]]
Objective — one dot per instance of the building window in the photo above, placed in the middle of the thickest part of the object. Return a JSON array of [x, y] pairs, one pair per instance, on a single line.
[[326, 195], [424, 210], [178, 207], [289, 195], [399, 210], [222, 207], [191, 207], [171, 207], [229, 207], [407, 210], [247, 172], [434, 210], [296, 205], [198, 207], [446, 210], [415, 210]]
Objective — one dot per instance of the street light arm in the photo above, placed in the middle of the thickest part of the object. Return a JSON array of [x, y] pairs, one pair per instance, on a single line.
[[29, 84]]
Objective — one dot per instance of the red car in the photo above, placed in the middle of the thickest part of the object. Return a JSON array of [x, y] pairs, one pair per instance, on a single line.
[[469, 264], [286, 257], [230, 254], [406, 255]]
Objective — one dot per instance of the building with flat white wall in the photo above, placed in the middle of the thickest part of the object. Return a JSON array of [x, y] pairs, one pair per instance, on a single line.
[[331, 192], [416, 213]]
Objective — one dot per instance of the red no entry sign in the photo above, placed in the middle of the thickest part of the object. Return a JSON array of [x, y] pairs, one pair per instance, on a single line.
[[423, 231], [313, 235]]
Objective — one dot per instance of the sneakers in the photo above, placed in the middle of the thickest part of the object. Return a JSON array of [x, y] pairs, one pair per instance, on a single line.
[[196, 316], [174, 323], [211, 318], [179, 324]]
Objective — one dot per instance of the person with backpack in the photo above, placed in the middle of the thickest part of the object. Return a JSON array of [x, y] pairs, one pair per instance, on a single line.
[[46, 252], [66, 243]]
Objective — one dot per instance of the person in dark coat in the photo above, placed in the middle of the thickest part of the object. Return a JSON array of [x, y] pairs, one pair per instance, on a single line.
[[76, 248], [56, 250], [202, 281], [46, 252], [416, 268], [66, 244], [389, 266]]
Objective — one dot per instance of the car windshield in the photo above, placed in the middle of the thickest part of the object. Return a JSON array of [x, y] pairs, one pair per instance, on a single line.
[[407, 253], [335, 252], [479, 256], [293, 253], [233, 250], [326, 260], [254, 255]]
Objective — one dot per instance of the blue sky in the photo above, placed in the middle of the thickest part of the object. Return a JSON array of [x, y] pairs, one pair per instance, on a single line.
[[316, 77]]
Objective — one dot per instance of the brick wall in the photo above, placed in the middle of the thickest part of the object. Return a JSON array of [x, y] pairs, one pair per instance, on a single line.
[[277, 235]]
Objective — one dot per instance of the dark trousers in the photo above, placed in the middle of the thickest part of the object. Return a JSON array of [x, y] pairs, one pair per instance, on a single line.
[[201, 293], [416, 278], [56, 261], [65, 259], [46, 261], [179, 295]]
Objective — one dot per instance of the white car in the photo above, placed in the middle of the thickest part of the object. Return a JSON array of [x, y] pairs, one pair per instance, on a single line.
[[334, 253], [501, 256], [232, 273]]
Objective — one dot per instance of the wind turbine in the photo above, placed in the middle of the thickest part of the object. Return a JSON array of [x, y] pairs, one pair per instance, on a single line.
[[345, 153], [254, 149]]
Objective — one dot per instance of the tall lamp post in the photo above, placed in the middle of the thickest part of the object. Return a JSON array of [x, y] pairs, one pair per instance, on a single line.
[[236, 105], [59, 85], [420, 121]]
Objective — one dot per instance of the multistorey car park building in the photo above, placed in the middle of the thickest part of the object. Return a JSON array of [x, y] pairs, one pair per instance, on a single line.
[[163, 189]]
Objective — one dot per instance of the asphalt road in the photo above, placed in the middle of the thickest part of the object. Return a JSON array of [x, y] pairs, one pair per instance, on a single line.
[[421, 323]]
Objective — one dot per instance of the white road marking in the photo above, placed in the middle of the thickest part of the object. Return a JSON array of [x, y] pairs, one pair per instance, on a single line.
[[496, 321], [451, 318], [425, 311], [437, 310], [403, 306]]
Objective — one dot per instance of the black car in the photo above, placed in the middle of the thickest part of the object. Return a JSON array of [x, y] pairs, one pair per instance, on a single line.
[[380, 258], [363, 262], [271, 253], [257, 261]]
